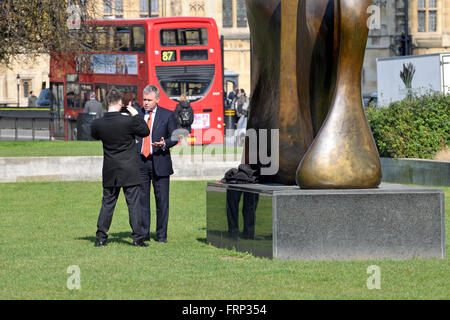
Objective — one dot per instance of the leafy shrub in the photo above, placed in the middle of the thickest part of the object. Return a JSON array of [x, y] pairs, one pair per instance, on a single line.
[[415, 128]]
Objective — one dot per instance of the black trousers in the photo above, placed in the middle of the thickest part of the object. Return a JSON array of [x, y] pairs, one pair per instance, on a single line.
[[110, 195], [161, 192], [249, 206]]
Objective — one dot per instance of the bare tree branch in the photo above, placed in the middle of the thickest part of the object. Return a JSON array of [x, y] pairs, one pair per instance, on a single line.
[[33, 27]]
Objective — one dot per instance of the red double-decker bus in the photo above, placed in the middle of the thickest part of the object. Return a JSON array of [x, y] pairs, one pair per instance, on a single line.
[[180, 55]]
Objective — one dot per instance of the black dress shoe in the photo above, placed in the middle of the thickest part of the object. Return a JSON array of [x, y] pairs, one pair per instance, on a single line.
[[101, 243], [162, 240], [140, 243]]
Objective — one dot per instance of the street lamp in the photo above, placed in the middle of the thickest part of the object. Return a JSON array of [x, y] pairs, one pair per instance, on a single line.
[[18, 90]]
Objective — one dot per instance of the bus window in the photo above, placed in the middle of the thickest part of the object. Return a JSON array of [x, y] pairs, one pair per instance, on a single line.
[[196, 37], [73, 96], [103, 36], [138, 39], [168, 37], [100, 93], [86, 89], [122, 39], [184, 37]]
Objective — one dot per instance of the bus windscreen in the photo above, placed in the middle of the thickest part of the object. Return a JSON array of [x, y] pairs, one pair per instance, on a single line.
[[194, 89]]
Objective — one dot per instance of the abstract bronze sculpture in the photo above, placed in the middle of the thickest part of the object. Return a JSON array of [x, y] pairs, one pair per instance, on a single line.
[[325, 140]]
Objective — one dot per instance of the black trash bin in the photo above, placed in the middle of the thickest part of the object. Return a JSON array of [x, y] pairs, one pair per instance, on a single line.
[[84, 121]]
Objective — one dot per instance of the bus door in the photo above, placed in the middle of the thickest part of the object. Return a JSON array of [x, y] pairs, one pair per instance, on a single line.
[[100, 93], [57, 108]]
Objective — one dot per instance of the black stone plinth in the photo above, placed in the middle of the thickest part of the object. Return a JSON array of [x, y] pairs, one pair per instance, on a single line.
[[285, 222]]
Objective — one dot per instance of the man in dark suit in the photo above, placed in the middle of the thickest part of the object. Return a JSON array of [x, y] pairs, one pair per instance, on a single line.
[[93, 106], [120, 164], [155, 163]]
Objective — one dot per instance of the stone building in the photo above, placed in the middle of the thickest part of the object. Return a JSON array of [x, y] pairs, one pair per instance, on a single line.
[[30, 75]]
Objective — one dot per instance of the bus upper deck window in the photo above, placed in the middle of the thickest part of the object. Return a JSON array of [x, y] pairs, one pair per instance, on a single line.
[[138, 39], [196, 37], [184, 37], [122, 39], [103, 38], [168, 37]]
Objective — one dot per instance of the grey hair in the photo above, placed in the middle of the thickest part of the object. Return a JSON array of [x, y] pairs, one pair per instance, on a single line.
[[151, 88]]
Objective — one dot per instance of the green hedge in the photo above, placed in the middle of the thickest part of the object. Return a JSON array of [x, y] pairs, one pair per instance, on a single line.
[[416, 128]]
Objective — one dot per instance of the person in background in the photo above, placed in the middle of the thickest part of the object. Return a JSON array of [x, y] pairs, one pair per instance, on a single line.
[[93, 106], [184, 114], [233, 94], [32, 100], [242, 100]]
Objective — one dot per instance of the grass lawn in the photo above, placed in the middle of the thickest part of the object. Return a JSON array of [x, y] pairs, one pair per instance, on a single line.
[[89, 148], [47, 227]]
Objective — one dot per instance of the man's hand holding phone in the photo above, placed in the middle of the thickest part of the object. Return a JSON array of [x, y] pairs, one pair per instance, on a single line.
[[131, 109]]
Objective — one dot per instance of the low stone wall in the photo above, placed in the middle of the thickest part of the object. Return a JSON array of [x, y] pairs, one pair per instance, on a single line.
[[199, 167], [415, 171], [26, 169]]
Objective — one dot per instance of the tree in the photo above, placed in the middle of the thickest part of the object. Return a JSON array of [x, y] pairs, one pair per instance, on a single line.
[[33, 27]]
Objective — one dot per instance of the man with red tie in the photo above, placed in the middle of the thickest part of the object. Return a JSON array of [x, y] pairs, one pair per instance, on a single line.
[[155, 163]]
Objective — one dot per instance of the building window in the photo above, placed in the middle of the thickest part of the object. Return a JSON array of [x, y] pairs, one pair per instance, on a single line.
[[107, 6], [144, 7], [155, 7], [427, 15], [118, 8], [227, 13], [241, 14], [234, 14], [26, 89]]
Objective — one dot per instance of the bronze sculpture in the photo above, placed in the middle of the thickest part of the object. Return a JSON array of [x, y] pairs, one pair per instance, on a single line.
[[325, 140]]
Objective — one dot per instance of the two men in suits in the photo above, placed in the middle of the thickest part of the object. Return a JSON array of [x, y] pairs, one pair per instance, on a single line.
[[155, 163], [120, 165]]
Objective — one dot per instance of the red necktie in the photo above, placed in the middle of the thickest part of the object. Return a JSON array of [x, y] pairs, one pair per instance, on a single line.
[[147, 143]]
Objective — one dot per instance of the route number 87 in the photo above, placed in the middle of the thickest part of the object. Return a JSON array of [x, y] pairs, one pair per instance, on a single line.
[[168, 55]]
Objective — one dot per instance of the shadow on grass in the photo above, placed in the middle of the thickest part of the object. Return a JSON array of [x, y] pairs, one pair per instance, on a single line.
[[202, 240], [117, 237]]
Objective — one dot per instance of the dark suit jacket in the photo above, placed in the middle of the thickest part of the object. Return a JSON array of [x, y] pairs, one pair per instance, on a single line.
[[163, 126], [120, 162], [94, 106]]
